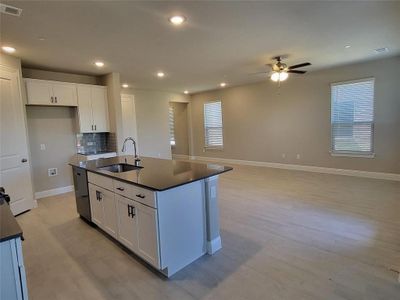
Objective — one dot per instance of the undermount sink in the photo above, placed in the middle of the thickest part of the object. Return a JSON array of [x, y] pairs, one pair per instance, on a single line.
[[120, 168]]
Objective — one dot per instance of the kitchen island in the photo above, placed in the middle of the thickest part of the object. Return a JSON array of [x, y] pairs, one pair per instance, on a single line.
[[165, 211]]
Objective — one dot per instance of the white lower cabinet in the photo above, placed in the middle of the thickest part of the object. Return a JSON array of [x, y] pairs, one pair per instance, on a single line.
[[103, 209], [147, 233], [134, 224], [127, 223], [96, 207], [166, 229]]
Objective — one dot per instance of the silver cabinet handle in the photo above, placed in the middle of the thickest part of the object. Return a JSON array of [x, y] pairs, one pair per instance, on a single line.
[[24, 160], [95, 127]]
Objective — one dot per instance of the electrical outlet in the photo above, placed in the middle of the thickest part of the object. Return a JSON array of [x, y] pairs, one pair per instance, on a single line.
[[52, 172], [42, 147], [283, 155], [298, 156]]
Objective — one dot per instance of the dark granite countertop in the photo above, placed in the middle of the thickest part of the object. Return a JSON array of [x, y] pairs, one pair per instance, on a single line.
[[9, 228], [156, 174]]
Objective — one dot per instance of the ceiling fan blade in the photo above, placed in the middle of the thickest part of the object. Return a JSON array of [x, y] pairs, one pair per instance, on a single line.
[[300, 65], [297, 71]]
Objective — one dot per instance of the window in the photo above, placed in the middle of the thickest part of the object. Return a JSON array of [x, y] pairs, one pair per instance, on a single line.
[[213, 125], [171, 126], [352, 117]]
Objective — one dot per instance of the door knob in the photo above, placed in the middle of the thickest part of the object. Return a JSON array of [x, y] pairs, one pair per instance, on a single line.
[[24, 160]]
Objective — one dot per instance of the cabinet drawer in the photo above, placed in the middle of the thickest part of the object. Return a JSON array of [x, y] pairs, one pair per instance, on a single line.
[[144, 196], [136, 193], [123, 189], [101, 181]]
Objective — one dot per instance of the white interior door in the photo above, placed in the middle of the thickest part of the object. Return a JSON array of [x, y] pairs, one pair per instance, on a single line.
[[15, 170], [129, 120]]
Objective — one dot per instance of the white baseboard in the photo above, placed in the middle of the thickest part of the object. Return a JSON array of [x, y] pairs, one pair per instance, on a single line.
[[181, 156], [348, 172], [53, 192], [214, 245]]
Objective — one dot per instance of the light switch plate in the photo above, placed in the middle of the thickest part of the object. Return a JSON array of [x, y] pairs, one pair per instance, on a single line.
[[42, 146]]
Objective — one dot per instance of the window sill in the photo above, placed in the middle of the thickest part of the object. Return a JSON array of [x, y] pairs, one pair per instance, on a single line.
[[350, 154], [216, 148]]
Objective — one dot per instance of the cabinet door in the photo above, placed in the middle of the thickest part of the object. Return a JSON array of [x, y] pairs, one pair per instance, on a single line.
[[147, 226], [85, 109], [39, 92], [110, 223], [65, 94], [127, 227], [100, 109], [96, 207]]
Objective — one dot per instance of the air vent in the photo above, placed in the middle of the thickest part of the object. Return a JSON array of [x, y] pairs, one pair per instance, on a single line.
[[381, 50], [10, 10]]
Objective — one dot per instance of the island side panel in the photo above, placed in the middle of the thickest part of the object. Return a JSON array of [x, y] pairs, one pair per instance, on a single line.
[[214, 242], [182, 226]]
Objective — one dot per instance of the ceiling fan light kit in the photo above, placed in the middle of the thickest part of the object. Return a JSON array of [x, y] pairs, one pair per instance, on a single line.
[[279, 76], [280, 71]]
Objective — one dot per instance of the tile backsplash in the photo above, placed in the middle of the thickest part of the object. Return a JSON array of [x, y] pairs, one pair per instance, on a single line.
[[95, 142]]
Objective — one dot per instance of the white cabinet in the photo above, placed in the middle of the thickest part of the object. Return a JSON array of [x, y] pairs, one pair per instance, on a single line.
[[103, 209], [110, 224], [127, 223], [92, 108], [53, 93], [134, 224], [147, 234], [96, 207], [12, 272]]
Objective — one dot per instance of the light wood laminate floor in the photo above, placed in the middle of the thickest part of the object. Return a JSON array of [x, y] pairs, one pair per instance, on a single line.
[[286, 235]]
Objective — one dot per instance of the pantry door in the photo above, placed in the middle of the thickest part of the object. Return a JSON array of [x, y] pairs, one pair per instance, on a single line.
[[15, 169]]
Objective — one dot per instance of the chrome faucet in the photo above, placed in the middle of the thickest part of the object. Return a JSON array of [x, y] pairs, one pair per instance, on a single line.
[[134, 148]]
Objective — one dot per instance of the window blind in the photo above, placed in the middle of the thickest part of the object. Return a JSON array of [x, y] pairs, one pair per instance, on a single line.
[[213, 124], [352, 117], [171, 126]]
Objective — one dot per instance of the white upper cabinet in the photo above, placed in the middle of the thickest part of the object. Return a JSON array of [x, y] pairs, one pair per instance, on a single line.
[[45, 92], [100, 109], [92, 108], [65, 94]]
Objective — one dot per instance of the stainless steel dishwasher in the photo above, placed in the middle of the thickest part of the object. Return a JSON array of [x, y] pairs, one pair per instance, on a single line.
[[82, 193]]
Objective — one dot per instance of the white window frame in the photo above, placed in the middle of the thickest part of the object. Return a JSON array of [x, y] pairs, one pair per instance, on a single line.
[[212, 147], [361, 154], [172, 139]]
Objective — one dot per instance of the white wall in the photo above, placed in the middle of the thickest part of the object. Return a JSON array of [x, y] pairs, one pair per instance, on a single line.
[[152, 121]]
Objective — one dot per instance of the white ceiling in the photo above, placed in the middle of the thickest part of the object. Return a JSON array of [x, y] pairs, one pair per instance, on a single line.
[[221, 41]]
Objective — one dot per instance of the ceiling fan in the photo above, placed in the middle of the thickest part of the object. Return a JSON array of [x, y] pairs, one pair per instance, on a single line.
[[280, 71]]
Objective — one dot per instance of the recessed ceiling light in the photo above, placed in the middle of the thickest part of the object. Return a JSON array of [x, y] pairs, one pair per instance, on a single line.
[[99, 64], [125, 85], [160, 74], [347, 46], [8, 49], [186, 92], [177, 20], [222, 84], [41, 38]]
